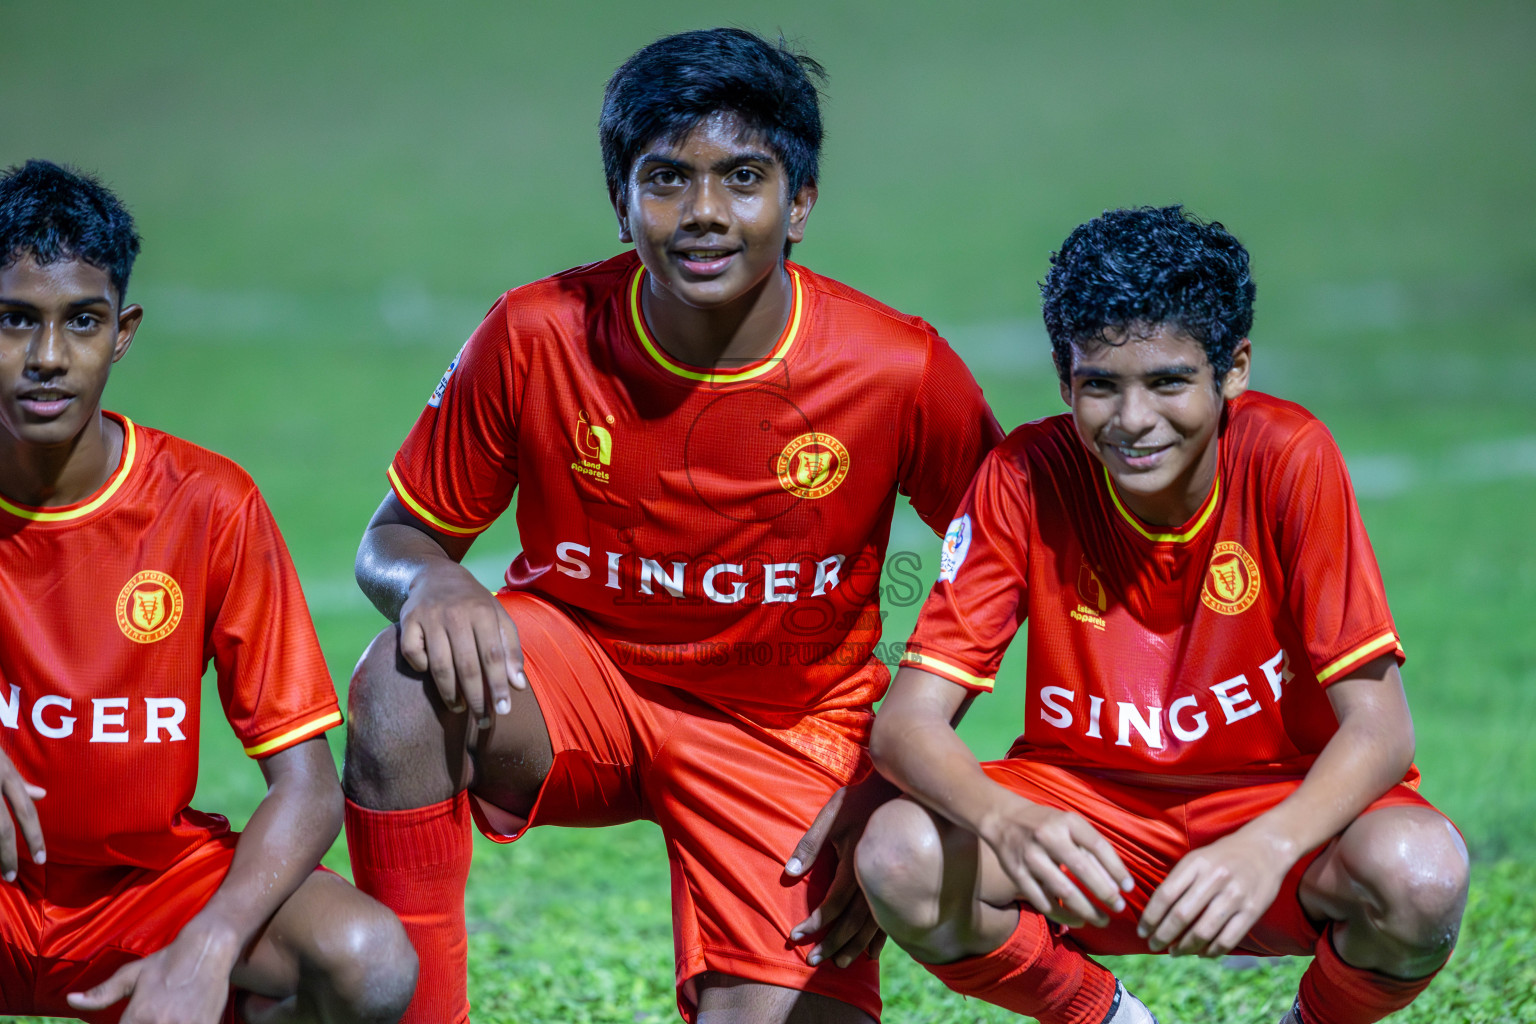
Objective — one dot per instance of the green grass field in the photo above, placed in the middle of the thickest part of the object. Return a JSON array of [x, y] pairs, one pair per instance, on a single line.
[[331, 195]]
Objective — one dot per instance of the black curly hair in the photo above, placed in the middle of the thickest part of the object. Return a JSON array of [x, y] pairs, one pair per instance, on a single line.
[[54, 213], [668, 87], [1127, 272]]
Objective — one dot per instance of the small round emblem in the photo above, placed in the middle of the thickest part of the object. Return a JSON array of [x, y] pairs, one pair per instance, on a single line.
[[1231, 579], [812, 465], [149, 607]]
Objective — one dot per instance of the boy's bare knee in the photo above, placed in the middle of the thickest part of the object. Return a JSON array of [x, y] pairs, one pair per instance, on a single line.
[[367, 965], [900, 863], [1414, 866]]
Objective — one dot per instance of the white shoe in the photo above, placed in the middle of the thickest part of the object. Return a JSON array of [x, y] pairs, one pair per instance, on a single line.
[[1127, 1009]]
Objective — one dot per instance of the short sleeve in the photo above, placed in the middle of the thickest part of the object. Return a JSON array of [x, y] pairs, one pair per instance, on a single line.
[[457, 469], [981, 595], [273, 682], [950, 431], [1333, 585]]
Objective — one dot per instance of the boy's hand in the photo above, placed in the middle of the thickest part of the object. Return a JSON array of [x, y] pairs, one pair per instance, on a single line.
[[1214, 895], [19, 795], [187, 982], [843, 914], [454, 628], [1034, 843]]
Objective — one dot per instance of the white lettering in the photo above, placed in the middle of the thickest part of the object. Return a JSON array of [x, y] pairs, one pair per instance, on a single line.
[[66, 723], [1201, 725], [170, 723], [1232, 695], [613, 571], [651, 570], [11, 709], [101, 718], [826, 575], [778, 587], [738, 589], [575, 568], [1055, 712], [1151, 732], [1094, 705], [1277, 671]]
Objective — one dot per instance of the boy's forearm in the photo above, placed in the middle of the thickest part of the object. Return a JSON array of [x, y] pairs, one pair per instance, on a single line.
[[1370, 752], [291, 829], [925, 758]]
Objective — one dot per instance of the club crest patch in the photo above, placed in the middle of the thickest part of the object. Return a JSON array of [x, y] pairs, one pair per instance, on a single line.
[[149, 607], [812, 465], [957, 544], [1231, 580], [442, 385]]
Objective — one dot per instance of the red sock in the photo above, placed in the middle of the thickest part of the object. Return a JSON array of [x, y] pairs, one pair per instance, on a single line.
[[1333, 992], [416, 863], [1037, 973]]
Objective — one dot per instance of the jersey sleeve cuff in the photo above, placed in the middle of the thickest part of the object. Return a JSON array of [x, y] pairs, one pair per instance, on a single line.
[[1341, 666], [954, 673], [298, 734], [425, 514]]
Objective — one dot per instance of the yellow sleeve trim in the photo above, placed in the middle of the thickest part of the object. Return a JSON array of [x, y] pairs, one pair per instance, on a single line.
[[420, 511], [1385, 642], [928, 663], [311, 728]]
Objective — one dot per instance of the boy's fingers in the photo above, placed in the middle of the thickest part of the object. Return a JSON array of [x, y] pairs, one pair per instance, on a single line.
[[809, 848], [440, 665], [833, 905], [1103, 850], [466, 668], [513, 649], [1163, 897], [413, 645], [114, 990], [8, 858], [1061, 889], [18, 796], [493, 666]]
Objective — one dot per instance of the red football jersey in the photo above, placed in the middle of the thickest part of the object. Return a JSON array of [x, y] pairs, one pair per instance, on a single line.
[[721, 532], [110, 611], [1201, 649]]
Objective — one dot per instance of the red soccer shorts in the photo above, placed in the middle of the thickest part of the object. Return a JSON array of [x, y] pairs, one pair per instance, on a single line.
[[731, 801], [67, 928], [1151, 828]]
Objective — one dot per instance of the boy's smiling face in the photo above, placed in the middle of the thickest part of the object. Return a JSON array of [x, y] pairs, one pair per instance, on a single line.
[[60, 332], [1147, 404], [710, 214]]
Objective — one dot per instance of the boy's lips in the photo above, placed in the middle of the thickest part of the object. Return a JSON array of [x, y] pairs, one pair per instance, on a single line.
[[1140, 456], [46, 405], [705, 262]]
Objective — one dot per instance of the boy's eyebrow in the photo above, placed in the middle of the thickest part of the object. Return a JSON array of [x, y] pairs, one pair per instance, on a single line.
[[98, 300], [721, 166], [1161, 371]]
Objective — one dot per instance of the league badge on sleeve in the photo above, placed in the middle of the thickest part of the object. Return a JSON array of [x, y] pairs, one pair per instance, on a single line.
[[957, 544], [442, 385]]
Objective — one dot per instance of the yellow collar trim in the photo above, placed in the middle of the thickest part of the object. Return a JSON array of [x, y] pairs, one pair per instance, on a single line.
[[1165, 538], [757, 369], [124, 467]]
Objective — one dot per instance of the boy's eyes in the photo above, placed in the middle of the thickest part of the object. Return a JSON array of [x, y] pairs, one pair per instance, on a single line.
[[14, 321], [84, 322], [665, 176], [744, 176]]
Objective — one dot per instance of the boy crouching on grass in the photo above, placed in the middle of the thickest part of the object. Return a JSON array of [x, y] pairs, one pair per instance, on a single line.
[[1217, 752], [128, 560]]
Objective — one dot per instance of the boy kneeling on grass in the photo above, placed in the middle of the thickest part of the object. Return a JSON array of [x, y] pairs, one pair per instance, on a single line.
[[1217, 752], [130, 559]]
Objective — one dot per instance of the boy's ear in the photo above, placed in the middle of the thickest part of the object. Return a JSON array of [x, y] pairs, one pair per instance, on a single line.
[[621, 211], [800, 211], [128, 321], [1236, 380]]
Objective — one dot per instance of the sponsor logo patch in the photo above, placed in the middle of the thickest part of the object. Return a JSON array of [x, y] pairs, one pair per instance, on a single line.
[[812, 465], [957, 544], [594, 447], [149, 607], [1231, 580], [442, 385]]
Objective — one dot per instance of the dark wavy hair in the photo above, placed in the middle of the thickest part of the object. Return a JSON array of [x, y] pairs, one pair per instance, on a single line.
[[1130, 271], [54, 213], [671, 85]]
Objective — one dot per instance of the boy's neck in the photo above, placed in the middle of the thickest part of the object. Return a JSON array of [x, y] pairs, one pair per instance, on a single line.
[[723, 337], [52, 476]]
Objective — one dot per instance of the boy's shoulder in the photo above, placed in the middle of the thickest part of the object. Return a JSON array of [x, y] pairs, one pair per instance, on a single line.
[[847, 308], [571, 293]]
